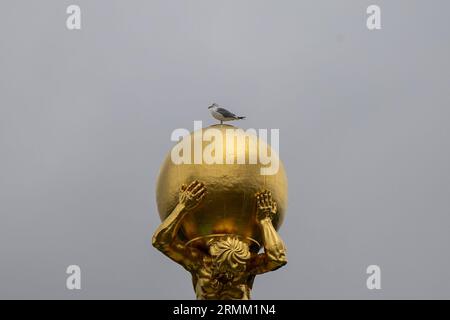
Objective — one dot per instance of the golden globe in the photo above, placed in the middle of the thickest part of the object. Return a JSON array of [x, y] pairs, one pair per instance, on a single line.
[[233, 165], [226, 145]]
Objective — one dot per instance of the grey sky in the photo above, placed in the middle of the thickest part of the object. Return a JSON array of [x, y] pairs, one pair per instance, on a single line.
[[86, 117]]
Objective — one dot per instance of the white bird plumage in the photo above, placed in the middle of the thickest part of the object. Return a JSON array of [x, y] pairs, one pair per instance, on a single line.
[[223, 114]]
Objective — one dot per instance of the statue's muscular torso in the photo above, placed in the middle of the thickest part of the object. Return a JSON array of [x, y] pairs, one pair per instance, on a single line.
[[229, 269], [207, 286]]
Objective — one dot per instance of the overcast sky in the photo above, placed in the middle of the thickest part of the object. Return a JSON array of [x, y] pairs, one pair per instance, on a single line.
[[86, 118]]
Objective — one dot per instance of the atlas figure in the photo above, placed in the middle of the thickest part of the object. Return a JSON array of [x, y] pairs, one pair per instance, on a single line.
[[228, 268]]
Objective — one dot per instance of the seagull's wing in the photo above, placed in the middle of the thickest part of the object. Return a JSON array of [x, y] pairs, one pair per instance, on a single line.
[[226, 113]]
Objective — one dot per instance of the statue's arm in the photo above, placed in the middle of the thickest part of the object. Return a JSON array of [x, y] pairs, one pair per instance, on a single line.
[[274, 255], [165, 238]]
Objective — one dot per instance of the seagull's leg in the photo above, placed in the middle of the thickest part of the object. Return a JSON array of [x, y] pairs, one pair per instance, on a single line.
[[221, 122]]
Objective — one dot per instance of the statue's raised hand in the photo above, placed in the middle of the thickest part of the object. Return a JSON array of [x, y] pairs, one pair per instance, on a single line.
[[191, 196], [265, 206]]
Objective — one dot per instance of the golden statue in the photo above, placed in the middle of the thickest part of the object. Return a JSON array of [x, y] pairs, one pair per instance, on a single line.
[[217, 216]]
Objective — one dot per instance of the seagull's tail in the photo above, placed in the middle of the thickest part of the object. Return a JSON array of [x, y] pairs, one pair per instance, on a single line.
[[240, 118]]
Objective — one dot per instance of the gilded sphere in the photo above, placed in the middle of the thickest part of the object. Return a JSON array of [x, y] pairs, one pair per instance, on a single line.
[[231, 176]]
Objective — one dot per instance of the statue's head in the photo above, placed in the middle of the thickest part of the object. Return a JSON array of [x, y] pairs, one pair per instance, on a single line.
[[229, 256]]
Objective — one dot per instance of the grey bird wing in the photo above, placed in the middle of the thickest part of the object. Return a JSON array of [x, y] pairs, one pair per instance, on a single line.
[[226, 113]]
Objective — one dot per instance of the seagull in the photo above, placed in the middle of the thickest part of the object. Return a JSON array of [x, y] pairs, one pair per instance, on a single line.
[[222, 114]]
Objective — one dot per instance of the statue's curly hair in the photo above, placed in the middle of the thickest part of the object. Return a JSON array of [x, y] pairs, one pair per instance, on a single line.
[[228, 252]]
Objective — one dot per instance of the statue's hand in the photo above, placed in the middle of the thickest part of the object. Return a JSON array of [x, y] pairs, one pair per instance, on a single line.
[[265, 206], [191, 196]]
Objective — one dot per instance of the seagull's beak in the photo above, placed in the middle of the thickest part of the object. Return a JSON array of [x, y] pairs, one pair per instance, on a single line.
[[210, 107]]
